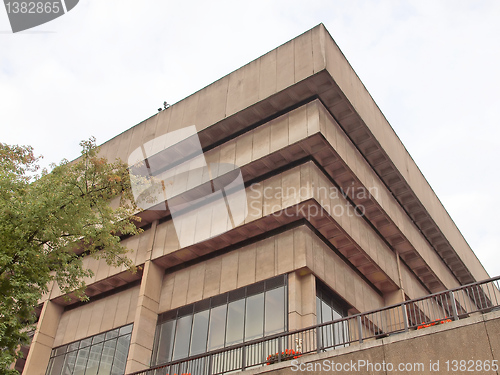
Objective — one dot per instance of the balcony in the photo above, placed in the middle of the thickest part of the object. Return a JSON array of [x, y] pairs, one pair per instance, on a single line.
[[412, 315]]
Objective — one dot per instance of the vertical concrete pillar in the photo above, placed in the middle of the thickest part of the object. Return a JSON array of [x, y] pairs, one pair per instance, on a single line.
[[301, 299], [301, 305], [146, 316], [43, 340]]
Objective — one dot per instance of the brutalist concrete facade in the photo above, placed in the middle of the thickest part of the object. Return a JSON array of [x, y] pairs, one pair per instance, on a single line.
[[332, 195]]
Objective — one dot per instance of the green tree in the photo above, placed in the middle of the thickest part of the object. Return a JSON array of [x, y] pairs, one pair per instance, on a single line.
[[47, 221]]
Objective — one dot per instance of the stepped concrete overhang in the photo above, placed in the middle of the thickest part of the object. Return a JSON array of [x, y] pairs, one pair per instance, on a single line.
[[311, 71]]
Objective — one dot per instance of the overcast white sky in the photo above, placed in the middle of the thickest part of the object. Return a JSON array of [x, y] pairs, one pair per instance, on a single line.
[[431, 66]]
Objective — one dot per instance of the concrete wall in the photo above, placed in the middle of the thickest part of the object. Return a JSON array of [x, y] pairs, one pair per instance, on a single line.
[[472, 339], [99, 316]]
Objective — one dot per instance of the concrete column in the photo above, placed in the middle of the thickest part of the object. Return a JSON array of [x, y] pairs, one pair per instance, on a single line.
[[146, 316], [41, 346], [301, 306], [301, 299]]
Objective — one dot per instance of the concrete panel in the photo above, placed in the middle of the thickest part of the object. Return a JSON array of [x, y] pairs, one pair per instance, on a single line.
[[211, 284], [110, 310], [179, 294], [297, 126], [285, 60], [162, 124], [229, 273], [246, 265], [243, 149], [279, 133], [84, 321], [267, 82], [285, 256], [212, 103], [261, 142], [299, 243], [493, 331], [166, 293], [303, 53], [196, 280], [265, 259], [122, 308], [466, 343], [243, 89]]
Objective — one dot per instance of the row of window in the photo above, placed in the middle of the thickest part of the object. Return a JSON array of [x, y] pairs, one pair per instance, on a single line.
[[245, 314], [102, 354], [241, 315]]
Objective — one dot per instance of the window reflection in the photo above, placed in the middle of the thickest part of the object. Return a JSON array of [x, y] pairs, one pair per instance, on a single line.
[[254, 327], [165, 341], [182, 337], [329, 308], [105, 353], [241, 315], [235, 321], [275, 311], [217, 327], [199, 333]]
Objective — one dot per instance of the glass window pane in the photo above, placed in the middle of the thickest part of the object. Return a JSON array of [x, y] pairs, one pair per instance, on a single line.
[[182, 337], [126, 329], [166, 342], [108, 353], [319, 319], [69, 363], [254, 324], [81, 361], [199, 333], [275, 311], [94, 359], [235, 321], [336, 315], [57, 365], [60, 350], [217, 330], [121, 355], [326, 312], [327, 331], [112, 334], [98, 338], [85, 342]]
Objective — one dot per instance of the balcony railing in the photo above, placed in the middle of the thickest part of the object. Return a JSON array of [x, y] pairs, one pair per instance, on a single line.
[[413, 314]]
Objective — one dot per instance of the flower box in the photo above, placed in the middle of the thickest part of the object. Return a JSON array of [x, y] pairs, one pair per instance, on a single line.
[[285, 356], [433, 323]]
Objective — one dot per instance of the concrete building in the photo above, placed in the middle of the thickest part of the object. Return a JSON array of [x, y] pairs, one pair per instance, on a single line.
[[337, 220]]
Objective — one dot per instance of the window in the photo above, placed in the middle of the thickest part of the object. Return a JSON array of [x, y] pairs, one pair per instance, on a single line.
[[105, 353], [243, 314], [330, 307]]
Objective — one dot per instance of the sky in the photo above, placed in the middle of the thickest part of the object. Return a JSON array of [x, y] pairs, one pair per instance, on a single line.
[[431, 66]]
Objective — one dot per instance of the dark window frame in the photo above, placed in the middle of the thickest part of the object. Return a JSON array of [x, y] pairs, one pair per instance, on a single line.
[[223, 299], [86, 344]]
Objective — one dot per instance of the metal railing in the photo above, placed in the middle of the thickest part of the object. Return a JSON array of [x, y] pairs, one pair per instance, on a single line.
[[451, 304]]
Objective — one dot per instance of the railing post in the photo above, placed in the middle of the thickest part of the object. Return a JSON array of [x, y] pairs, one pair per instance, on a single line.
[[360, 329], [209, 372], [243, 357], [453, 306], [279, 349]]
